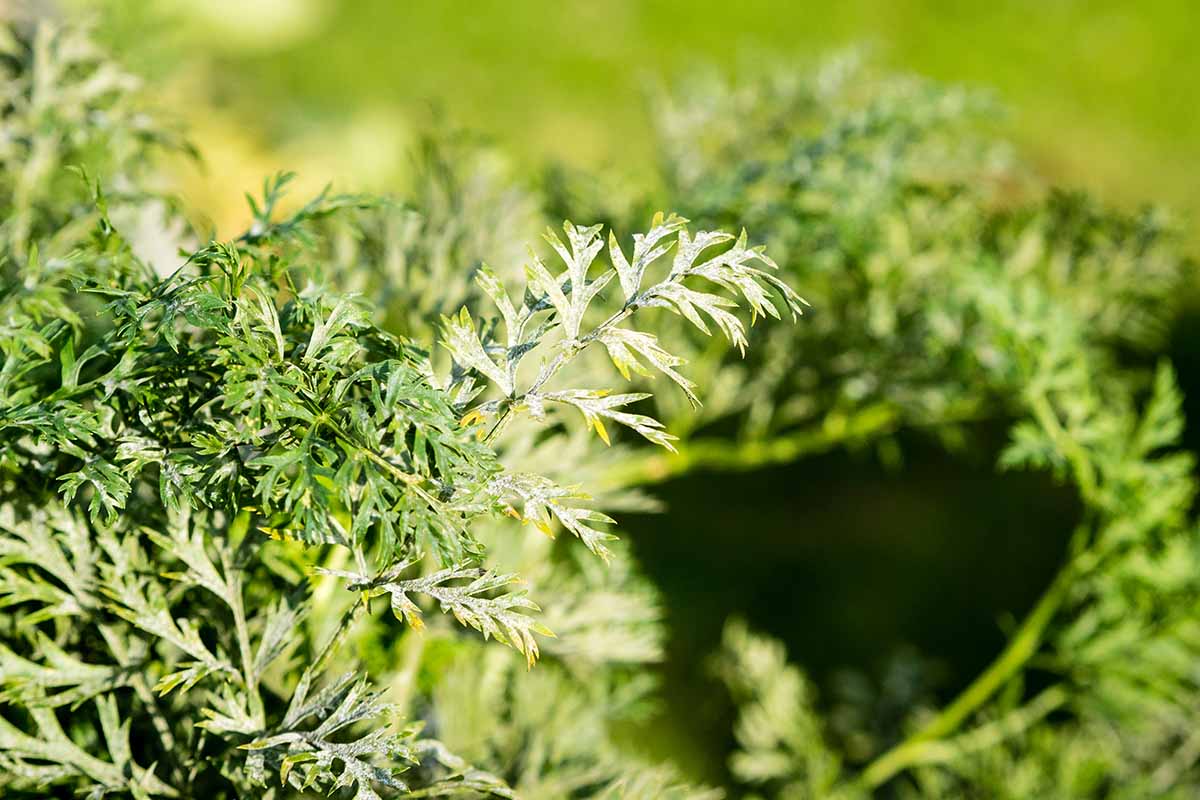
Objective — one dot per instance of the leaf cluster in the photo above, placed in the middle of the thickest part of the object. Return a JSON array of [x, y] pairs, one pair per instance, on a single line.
[[194, 461]]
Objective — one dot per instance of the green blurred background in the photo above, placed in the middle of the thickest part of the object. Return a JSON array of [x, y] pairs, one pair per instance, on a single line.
[[893, 577], [1104, 95]]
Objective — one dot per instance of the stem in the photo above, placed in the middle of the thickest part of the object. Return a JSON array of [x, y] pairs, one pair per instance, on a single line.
[[407, 478], [551, 369], [236, 603], [405, 682], [161, 727], [318, 663], [582, 342], [428, 791], [1016, 654], [994, 732], [325, 591], [1085, 472], [722, 454]]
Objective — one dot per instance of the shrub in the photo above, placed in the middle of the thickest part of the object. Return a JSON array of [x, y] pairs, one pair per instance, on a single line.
[[949, 288], [216, 467], [181, 452]]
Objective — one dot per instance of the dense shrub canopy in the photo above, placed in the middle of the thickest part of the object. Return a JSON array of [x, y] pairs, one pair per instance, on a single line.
[[217, 466]]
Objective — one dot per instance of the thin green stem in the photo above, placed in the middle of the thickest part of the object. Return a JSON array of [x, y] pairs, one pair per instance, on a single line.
[[1012, 659], [142, 689], [314, 668], [1081, 464], [992, 733], [560, 360], [723, 454], [404, 684], [580, 343], [233, 579]]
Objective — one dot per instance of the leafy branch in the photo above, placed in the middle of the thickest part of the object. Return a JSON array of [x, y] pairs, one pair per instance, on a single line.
[[566, 298], [500, 617]]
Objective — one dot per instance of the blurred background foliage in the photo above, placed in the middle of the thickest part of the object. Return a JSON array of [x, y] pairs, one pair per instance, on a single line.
[[899, 584], [1103, 94]]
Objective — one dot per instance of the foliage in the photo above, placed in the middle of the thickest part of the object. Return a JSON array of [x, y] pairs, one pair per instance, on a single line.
[[417, 257], [216, 466], [186, 472], [894, 205], [950, 288]]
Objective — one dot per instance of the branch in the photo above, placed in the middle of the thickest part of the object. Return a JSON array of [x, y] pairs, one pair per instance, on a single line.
[[1012, 659]]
